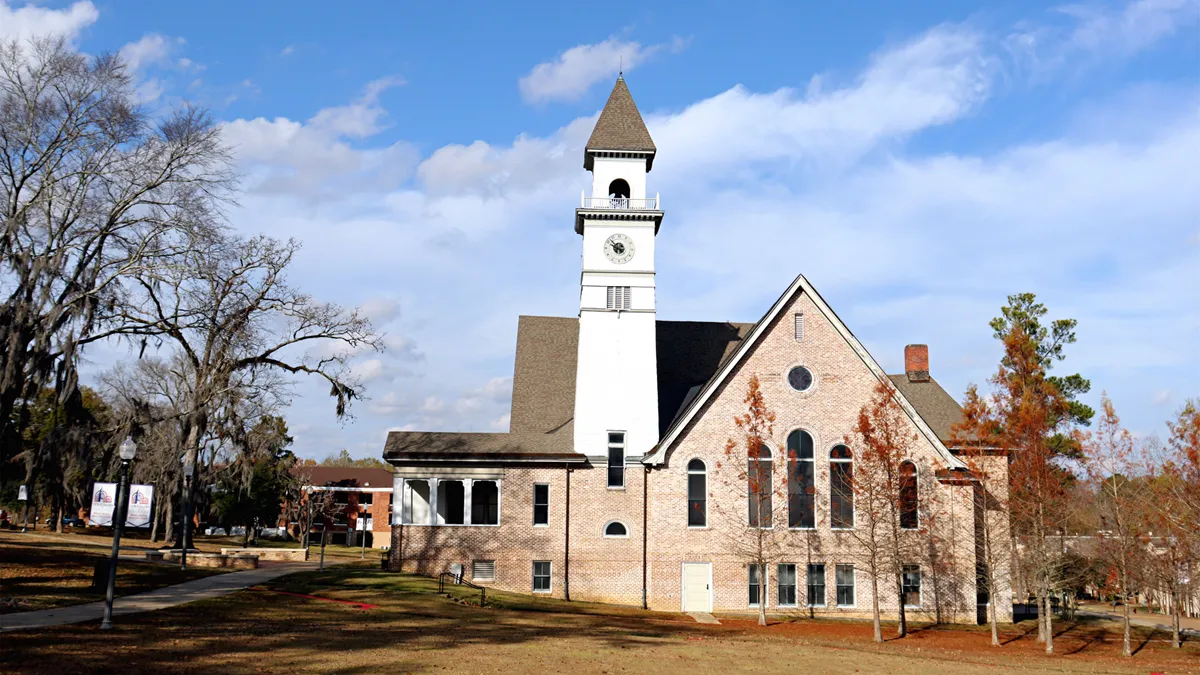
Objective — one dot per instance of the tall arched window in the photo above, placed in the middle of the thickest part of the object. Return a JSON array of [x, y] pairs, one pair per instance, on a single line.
[[618, 188], [908, 496], [841, 487], [758, 484], [697, 493], [802, 488]]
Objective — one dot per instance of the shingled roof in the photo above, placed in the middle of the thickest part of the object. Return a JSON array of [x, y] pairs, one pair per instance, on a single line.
[[689, 354], [620, 127], [938, 408]]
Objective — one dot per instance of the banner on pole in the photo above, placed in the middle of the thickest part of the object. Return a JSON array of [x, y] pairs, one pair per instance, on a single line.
[[138, 513], [22, 494], [104, 497]]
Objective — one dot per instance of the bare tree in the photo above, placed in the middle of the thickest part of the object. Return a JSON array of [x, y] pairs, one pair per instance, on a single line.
[[91, 189], [882, 439], [980, 435], [225, 306], [749, 464], [1109, 462]]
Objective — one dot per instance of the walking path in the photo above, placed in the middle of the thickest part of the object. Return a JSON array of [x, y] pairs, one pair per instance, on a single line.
[[161, 598], [1187, 626]]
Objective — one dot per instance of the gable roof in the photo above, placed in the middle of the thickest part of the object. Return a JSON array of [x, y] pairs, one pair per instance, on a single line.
[[800, 285], [620, 127]]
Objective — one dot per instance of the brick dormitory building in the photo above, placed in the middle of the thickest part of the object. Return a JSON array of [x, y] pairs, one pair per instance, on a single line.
[[357, 494], [611, 484]]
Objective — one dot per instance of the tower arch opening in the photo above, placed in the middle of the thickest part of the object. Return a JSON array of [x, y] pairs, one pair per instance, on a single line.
[[619, 188]]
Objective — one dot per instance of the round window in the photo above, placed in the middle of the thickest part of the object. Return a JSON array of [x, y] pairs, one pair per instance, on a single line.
[[800, 378]]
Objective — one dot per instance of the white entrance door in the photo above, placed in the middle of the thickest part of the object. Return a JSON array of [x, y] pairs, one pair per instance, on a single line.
[[697, 587]]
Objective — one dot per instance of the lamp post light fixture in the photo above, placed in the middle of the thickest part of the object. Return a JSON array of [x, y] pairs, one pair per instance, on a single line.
[[127, 452], [189, 468]]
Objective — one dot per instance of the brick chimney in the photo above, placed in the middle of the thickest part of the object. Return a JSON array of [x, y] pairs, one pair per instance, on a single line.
[[916, 363]]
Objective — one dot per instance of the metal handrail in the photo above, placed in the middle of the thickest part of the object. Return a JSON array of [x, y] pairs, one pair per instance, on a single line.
[[459, 581], [619, 203]]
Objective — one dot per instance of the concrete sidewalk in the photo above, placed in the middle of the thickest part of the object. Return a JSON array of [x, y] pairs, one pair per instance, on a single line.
[[161, 598]]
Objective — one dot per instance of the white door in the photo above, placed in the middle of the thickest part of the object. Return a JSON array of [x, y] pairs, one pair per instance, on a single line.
[[697, 587]]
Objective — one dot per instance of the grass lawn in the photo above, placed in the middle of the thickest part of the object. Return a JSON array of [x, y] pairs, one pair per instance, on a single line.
[[97, 538], [274, 629], [41, 573]]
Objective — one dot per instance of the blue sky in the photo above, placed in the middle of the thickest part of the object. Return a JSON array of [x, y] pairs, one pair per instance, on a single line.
[[917, 164]]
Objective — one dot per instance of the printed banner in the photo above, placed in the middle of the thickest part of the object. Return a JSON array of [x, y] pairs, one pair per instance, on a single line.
[[104, 497], [140, 498]]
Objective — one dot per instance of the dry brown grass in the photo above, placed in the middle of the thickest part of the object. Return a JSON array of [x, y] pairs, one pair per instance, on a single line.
[[414, 630]]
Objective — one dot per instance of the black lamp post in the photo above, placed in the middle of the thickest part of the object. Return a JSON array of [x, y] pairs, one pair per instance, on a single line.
[[127, 451], [188, 469]]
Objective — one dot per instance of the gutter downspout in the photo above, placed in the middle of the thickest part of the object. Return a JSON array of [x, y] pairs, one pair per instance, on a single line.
[[567, 547], [645, 508]]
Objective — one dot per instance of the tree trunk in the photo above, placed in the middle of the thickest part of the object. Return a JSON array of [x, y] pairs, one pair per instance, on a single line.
[[169, 534], [1176, 610], [992, 613], [324, 538], [1049, 622], [1125, 648], [875, 607], [902, 626], [762, 595], [154, 522]]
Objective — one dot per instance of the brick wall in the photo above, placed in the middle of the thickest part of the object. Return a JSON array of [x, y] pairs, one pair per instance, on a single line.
[[610, 570]]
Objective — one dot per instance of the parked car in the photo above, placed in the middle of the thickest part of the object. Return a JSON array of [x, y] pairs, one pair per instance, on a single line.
[[67, 521]]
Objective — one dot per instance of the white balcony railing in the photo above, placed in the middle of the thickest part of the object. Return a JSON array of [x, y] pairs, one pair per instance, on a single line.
[[618, 203]]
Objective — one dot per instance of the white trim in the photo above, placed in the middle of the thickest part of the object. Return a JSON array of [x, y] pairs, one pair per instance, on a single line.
[[763, 585], [853, 506], [744, 349], [533, 515], [533, 577], [787, 380], [688, 497], [604, 531], [683, 587], [795, 585], [917, 478], [854, 576]]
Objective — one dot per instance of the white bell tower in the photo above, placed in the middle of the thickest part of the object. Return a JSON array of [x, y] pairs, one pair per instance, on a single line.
[[616, 383]]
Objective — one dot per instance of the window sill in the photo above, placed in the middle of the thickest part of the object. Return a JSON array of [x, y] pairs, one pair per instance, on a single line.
[[802, 529], [545, 592], [449, 525], [847, 607], [697, 527], [841, 529], [617, 488], [541, 525]]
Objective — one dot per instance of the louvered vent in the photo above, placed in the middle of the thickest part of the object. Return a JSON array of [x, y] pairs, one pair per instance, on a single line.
[[799, 328], [619, 297], [483, 570]]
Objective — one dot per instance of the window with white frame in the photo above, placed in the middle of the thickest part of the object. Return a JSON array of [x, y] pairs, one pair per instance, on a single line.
[[910, 585], [909, 518], [785, 579], [697, 493], [485, 502], [449, 501], [801, 480], [756, 585], [541, 576], [616, 459], [541, 504], [816, 584], [759, 488], [616, 530], [841, 487], [845, 585], [619, 297]]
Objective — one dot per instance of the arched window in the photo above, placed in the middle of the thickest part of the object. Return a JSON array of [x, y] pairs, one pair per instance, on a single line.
[[616, 529], [697, 493], [758, 484], [802, 488], [908, 496], [618, 188], [841, 487]]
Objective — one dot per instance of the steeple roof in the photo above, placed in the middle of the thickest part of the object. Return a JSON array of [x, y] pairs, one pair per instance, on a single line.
[[620, 126]]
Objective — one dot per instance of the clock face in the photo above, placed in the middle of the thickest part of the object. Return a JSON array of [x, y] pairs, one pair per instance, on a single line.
[[619, 249]]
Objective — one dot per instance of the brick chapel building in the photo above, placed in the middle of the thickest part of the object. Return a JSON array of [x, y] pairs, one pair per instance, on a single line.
[[611, 484]]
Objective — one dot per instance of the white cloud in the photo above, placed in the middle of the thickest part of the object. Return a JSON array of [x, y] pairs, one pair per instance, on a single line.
[[572, 74], [31, 21], [317, 158], [151, 49], [1095, 34]]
